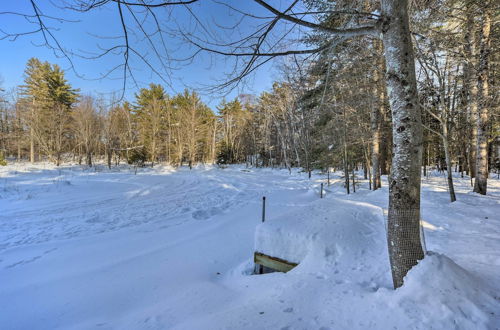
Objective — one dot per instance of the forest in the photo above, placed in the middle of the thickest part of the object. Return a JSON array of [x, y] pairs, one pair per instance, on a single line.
[[331, 112]]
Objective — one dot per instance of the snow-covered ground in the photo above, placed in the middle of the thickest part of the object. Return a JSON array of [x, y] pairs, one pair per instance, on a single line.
[[87, 249]]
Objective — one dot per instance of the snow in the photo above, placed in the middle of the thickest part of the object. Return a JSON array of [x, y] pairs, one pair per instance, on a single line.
[[339, 230], [172, 249]]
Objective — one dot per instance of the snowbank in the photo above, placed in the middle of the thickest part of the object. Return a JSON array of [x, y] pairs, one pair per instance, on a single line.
[[440, 293], [324, 231], [344, 267]]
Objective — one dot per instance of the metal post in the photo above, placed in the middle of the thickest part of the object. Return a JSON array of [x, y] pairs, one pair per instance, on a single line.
[[328, 173], [263, 208], [321, 191]]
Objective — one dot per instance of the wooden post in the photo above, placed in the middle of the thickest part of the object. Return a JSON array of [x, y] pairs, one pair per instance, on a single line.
[[261, 268], [321, 191], [263, 208]]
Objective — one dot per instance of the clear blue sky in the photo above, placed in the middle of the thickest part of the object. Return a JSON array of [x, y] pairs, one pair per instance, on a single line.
[[87, 35]]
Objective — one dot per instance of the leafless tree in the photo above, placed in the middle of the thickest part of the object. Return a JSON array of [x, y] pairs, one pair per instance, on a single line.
[[87, 127], [271, 39]]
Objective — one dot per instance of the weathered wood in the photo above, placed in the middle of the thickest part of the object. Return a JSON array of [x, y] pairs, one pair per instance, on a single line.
[[277, 264]]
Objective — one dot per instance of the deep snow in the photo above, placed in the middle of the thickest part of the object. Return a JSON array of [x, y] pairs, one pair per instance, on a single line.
[[87, 249]]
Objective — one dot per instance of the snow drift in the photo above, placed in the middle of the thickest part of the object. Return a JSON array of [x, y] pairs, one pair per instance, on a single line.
[[343, 243], [172, 249]]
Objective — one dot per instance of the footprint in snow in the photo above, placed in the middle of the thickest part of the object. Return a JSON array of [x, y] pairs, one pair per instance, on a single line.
[[206, 214], [23, 262], [200, 215]]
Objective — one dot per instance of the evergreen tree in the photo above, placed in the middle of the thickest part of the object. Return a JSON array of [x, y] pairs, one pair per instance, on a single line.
[[51, 98], [151, 115]]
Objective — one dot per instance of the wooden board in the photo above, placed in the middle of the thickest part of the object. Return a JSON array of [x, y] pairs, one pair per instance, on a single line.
[[277, 264]]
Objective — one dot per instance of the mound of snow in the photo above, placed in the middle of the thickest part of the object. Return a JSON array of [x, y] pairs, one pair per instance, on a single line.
[[343, 277], [330, 231], [440, 293]]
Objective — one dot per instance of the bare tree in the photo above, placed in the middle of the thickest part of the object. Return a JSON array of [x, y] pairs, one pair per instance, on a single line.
[[87, 127], [258, 48]]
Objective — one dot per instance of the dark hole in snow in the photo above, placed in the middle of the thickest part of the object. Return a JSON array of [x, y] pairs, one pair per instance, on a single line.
[[261, 270], [265, 264]]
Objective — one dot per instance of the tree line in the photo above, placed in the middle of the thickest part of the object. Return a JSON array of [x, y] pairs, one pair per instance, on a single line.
[[313, 118], [49, 119]]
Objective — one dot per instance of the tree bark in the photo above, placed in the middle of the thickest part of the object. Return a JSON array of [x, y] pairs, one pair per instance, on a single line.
[[451, 188], [89, 159], [443, 119], [32, 135], [346, 161], [32, 146], [405, 248], [353, 179], [110, 156], [471, 83], [375, 118], [480, 184]]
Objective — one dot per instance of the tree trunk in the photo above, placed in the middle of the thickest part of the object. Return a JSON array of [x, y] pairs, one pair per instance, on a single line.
[[451, 189], [153, 149], [405, 248], [385, 143], [353, 180], [32, 134], [110, 156], [471, 83], [32, 146], [425, 157], [367, 160], [346, 161], [445, 138], [483, 116], [375, 115], [89, 159], [214, 136]]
